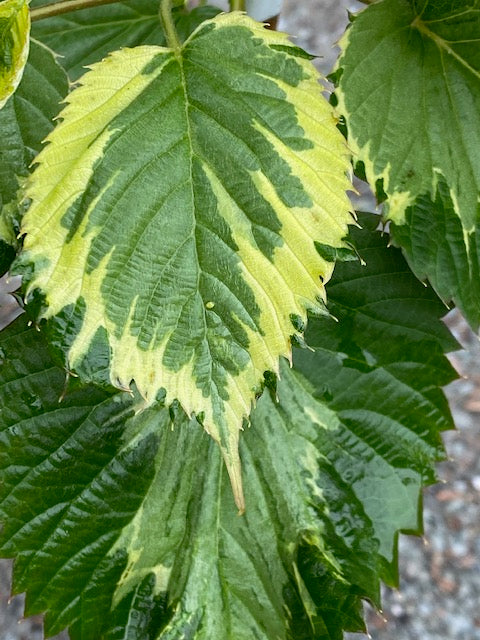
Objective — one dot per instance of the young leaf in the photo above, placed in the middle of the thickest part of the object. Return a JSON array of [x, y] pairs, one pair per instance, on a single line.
[[123, 525], [26, 119], [175, 214], [409, 89], [87, 36], [14, 40]]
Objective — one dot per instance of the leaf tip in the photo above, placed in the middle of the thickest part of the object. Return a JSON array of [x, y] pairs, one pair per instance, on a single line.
[[234, 469]]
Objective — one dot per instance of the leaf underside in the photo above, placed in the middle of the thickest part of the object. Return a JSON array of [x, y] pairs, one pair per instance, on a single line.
[[192, 244], [123, 525], [409, 88], [14, 42]]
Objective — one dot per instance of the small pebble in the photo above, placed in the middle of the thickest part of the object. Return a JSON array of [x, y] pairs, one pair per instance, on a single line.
[[476, 483]]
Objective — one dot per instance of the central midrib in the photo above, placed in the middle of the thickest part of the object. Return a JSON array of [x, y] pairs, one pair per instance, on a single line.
[[442, 45]]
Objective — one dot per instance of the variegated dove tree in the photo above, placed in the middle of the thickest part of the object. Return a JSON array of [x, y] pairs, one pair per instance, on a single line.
[[224, 395]]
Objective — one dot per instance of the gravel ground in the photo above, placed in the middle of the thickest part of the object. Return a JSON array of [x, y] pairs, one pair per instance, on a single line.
[[439, 594]]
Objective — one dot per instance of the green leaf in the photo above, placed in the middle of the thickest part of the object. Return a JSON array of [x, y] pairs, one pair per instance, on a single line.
[[457, 260], [379, 365], [187, 21], [14, 41], [25, 121], [46, 489], [175, 238], [123, 526], [7, 255], [143, 516], [86, 36], [409, 89]]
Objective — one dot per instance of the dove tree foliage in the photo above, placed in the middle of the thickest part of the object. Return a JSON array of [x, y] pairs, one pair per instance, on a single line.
[[224, 393]]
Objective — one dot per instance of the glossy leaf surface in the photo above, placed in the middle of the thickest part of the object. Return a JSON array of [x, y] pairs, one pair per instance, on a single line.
[[124, 527]]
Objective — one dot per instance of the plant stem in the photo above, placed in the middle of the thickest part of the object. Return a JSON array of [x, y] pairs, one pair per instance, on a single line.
[[65, 6], [237, 5], [168, 24]]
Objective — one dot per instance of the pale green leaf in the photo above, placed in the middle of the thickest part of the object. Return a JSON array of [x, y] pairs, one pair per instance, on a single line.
[[174, 218], [14, 42], [123, 526], [409, 89]]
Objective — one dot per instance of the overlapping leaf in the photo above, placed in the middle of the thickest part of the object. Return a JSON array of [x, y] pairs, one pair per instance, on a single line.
[[175, 215], [7, 255], [409, 88], [87, 36], [25, 121], [127, 529], [186, 563], [14, 42], [380, 368]]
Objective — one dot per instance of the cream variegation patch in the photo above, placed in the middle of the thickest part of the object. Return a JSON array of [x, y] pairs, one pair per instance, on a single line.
[[14, 45], [281, 284]]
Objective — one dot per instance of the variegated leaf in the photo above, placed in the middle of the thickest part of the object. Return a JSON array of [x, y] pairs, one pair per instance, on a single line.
[[409, 88], [25, 122], [123, 525], [14, 41], [176, 214]]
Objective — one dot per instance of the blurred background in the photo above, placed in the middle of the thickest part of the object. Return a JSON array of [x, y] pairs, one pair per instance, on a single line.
[[439, 595]]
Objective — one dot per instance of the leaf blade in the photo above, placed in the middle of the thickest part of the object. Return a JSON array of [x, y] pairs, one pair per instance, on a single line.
[[14, 44], [25, 121], [354, 435], [86, 36], [203, 326], [396, 115]]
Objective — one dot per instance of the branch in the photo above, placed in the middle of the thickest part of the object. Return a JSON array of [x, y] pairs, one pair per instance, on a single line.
[[165, 13], [65, 6], [237, 5]]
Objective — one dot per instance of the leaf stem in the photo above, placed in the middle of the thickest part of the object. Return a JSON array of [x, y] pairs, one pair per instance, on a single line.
[[237, 5], [64, 6], [165, 12]]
